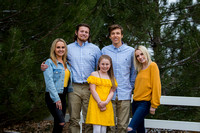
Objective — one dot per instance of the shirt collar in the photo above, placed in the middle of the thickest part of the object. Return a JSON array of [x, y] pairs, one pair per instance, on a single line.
[[118, 49], [85, 43], [57, 61]]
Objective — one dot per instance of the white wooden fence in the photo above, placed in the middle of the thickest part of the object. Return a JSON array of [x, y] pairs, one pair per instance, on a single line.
[[176, 125]]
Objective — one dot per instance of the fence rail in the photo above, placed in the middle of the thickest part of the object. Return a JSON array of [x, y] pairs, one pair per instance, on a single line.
[[176, 125]]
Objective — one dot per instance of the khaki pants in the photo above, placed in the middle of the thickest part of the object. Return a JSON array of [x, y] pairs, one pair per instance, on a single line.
[[121, 114], [78, 99]]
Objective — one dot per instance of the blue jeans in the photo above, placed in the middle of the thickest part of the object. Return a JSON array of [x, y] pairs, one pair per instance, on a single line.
[[139, 109]]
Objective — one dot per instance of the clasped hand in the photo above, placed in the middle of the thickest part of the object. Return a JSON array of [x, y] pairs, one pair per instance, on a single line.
[[102, 105]]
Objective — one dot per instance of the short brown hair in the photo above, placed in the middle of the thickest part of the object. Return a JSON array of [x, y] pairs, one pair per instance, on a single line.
[[113, 27]]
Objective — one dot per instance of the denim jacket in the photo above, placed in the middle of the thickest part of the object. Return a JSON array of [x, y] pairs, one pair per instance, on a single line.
[[54, 79]]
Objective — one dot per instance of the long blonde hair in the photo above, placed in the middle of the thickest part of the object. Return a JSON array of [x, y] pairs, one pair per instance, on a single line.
[[137, 64], [110, 71], [53, 54]]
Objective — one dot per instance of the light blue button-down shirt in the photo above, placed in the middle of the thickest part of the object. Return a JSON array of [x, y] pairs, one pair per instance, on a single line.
[[83, 60], [124, 71]]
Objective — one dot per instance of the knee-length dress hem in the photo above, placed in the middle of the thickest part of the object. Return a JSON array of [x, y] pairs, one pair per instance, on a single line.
[[94, 115]]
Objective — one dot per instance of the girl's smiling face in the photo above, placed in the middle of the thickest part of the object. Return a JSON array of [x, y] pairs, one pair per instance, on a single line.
[[104, 65]]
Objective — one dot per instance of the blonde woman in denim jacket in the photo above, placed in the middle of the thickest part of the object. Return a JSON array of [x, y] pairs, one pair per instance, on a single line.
[[58, 80]]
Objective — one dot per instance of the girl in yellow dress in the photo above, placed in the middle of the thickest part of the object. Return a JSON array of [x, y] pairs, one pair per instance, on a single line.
[[102, 86]]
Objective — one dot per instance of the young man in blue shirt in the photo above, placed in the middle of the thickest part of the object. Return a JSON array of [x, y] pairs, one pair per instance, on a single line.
[[83, 57], [122, 57]]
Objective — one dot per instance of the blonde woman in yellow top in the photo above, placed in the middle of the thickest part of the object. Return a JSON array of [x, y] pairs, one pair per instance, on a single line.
[[147, 92], [102, 86], [58, 80]]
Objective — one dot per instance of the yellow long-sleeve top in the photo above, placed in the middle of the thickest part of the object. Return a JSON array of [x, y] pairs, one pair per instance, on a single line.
[[148, 85]]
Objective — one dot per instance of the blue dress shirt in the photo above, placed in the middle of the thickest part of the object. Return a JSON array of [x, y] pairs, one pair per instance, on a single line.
[[124, 71], [83, 60]]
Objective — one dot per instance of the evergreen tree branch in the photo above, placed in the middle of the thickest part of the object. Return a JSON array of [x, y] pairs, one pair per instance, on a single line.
[[95, 8], [51, 31], [17, 13], [178, 9], [181, 62]]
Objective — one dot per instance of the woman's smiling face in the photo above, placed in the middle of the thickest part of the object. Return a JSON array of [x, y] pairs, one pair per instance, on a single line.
[[60, 49], [140, 56]]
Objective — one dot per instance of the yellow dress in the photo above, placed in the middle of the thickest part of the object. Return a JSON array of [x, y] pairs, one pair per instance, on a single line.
[[94, 115]]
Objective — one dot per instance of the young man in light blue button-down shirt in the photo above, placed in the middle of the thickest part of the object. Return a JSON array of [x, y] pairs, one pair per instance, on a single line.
[[122, 57], [83, 57]]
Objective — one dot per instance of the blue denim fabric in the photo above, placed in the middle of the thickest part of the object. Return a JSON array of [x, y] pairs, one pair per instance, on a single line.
[[59, 115], [139, 109], [54, 79], [83, 59], [123, 67]]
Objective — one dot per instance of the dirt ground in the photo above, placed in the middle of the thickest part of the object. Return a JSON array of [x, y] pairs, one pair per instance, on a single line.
[[46, 126], [33, 127]]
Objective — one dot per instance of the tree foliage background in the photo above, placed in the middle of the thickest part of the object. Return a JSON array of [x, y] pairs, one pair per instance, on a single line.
[[170, 30]]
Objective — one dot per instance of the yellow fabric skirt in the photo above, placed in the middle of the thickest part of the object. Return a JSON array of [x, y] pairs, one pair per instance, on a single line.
[[94, 115]]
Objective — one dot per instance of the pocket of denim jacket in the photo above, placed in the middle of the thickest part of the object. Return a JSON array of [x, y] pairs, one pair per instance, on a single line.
[[57, 73]]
